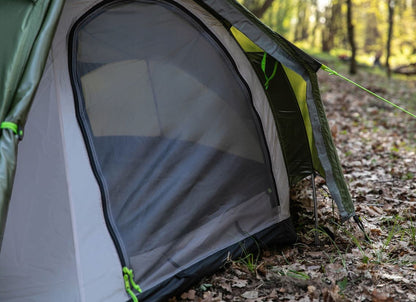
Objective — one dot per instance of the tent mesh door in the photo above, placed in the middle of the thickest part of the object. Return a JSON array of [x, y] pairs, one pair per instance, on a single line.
[[172, 133]]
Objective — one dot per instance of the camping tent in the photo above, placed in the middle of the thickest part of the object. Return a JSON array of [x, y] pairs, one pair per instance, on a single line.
[[163, 136]]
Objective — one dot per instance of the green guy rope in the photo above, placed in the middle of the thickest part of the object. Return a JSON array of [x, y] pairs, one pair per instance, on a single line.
[[129, 282], [12, 126], [333, 72]]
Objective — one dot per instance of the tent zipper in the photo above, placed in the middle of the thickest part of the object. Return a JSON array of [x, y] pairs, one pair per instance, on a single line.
[[82, 119]]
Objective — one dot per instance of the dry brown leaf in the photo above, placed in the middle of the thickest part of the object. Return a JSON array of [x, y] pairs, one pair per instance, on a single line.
[[273, 294], [375, 232], [377, 296], [191, 294], [331, 294], [334, 131], [207, 297]]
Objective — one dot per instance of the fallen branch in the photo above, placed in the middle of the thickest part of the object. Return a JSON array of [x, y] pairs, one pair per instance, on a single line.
[[406, 69]]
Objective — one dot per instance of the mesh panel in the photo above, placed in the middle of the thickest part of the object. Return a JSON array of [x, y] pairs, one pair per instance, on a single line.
[[175, 135]]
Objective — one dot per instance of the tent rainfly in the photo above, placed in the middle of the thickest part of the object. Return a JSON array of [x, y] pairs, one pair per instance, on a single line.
[[162, 136]]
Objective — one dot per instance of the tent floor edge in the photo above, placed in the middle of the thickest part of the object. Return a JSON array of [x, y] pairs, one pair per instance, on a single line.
[[278, 235]]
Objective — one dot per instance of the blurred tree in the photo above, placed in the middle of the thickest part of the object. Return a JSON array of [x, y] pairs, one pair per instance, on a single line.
[[303, 20], [317, 19], [351, 38], [404, 42], [390, 4], [258, 7], [279, 16], [333, 24], [372, 32], [322, 23]]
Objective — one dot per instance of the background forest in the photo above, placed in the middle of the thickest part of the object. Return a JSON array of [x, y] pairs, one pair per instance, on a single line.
[[369, 31]]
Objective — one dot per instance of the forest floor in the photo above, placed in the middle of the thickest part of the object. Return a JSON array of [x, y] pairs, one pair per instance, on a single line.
[[377, 148]]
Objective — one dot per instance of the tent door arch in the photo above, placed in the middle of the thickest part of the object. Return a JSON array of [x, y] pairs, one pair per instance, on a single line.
[[173, 137]]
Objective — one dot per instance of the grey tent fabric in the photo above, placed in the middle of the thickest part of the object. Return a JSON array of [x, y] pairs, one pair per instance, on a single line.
[[56, 245], [45, 219]]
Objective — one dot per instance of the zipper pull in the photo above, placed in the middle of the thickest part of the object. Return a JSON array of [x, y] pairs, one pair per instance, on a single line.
[[128, 277]]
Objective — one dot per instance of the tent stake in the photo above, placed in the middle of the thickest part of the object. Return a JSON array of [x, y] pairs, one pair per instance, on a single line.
[[315, 208]]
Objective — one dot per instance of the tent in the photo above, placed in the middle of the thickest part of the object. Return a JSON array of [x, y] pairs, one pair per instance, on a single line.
[[162, 136]]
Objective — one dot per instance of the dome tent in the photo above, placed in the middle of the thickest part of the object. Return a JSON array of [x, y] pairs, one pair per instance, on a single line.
[[163, 136]]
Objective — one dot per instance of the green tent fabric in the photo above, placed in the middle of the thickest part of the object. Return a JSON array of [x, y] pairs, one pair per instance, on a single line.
[[26, 31], [294, 58]]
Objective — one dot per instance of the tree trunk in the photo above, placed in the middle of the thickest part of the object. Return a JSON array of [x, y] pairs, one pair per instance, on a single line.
[[389, 36], [351, 38], [372, 33], [302, 25], [316, 25], [331, 28], [259, 11]]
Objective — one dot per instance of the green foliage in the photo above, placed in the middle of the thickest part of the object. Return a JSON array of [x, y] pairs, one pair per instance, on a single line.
[[394, 229], [342, 284], [297, 275], [249, 260], [338, 250], [206, 286]]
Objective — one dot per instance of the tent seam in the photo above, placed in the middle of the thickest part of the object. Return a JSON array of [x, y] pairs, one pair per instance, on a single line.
[[70, 198]]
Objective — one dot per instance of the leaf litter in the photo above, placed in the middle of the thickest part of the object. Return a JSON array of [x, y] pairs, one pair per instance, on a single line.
[[377, 149]]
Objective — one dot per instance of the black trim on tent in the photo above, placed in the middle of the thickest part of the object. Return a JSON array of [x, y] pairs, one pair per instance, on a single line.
[[82, 118], [278, 235]]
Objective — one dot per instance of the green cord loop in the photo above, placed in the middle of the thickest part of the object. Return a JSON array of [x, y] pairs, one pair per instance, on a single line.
[[129, 282], [333, 72], [128, 288], [12, 126], [263, 67]]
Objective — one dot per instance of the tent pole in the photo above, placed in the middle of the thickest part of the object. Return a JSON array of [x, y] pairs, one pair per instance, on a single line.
[[315, 208]]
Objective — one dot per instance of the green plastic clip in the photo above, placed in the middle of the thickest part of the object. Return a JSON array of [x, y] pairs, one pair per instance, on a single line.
[[128, 277], [14, 127]]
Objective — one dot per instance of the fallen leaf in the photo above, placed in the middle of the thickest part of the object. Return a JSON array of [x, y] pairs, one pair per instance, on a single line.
[[331, 294], [239, 283], [207, 297], [273, 294], [376, 232], [377, 296], [395, 278], [252, 294], [191, 294]]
